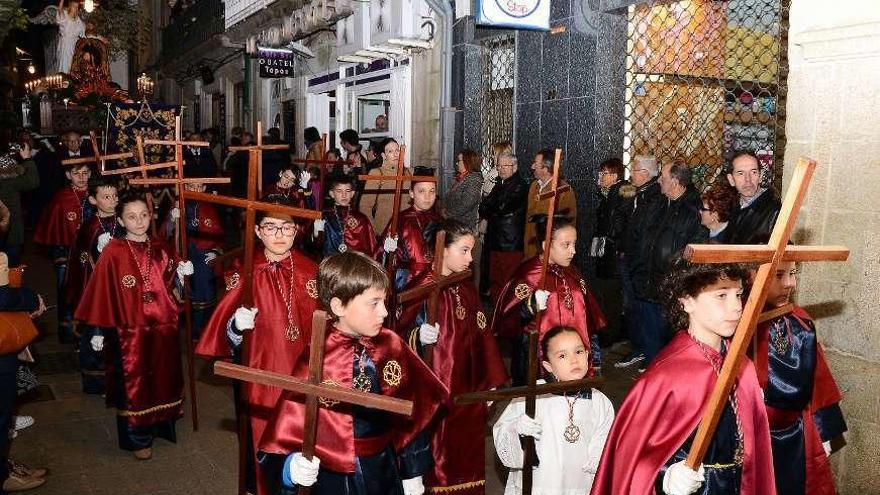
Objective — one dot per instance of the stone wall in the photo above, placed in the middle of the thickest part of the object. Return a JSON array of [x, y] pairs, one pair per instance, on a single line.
[[832, 116]]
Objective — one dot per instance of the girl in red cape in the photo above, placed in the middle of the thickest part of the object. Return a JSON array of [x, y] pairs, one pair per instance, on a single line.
[[655, 426], [565, 301], [466, 358], [130, 295]]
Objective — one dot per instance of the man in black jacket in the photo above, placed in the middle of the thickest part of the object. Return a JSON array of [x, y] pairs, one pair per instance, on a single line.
[[674, 225], [504, 210], [755, 215], [646, 200]]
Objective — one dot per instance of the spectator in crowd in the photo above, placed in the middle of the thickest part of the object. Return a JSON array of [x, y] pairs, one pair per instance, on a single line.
[[462, 201], [198, 161], [237, 166], [50, 172], [643, 178], [504, 210], [566, 204], [274, 161], [314, 144], [355, 161], [373, 154], [377, 206], [758, 207], [350, 142], [491, 175], [717, 205], [674, 224], [614, 206], [15, 178]]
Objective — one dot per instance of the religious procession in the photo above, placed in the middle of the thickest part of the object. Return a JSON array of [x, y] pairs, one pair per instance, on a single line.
[[381, 247]]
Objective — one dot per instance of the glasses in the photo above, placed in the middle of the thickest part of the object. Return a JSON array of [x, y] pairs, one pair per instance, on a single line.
[[288, 229], [509, 165], [705, 208], [639, 170]]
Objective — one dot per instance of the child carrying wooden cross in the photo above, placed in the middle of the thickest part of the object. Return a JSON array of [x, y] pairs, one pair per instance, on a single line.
[[358, 450]]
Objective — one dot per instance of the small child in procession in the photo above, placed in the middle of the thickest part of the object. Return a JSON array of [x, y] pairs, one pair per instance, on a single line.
[[569, 428]]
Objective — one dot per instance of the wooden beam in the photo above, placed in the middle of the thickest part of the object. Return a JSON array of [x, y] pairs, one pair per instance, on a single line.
[[746, 253], [525, 391]]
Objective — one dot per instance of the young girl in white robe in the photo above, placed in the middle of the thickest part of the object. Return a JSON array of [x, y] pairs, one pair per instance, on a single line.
[[569, 429]]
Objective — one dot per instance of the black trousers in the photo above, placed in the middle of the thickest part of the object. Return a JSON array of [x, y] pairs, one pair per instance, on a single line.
[[8, 369]]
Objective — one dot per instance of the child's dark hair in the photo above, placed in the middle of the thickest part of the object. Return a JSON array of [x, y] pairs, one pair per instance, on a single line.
[[559, 222], [686, 279], [127, 198], [275, 199], [347, 275], [553, 332], [336, 179], [99, 182], [454, 229]]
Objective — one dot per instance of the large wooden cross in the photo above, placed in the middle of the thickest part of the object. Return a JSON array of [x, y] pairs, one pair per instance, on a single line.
[[769, 256], [255, 152], [183, 244], [314, 389], [432, 290], [97, 158]]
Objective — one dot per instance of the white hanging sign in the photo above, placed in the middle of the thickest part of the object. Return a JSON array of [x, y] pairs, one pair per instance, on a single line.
[[516, 14]]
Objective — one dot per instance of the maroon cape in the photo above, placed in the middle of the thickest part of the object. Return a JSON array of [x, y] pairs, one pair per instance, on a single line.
[[81, 261], [585, 316], [466, 359], [358, 233], [147, 331], [413, 252], [61, 218], [269, 346], [404, 376], [819, 478], [664, 408], [204, 231], [294, 194]]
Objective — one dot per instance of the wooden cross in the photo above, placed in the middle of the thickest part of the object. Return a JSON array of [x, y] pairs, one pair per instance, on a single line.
[[256, 153], [97, 158], [183, 244], [769, 256], [432, 290], [314, 389]]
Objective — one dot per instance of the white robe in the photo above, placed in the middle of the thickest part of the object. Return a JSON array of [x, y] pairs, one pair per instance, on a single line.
[[565, 468], [70, 30]]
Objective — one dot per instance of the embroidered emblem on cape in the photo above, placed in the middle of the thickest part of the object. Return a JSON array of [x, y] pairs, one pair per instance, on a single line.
[[351, 222], [583, 286], [232, 281], [362, 382], [522, 291], [392, 373], [481, 320], [312, 288], [128, 281], [209, 222], [460, 312], [291, 333], [71, 215], [83, 257], [328, 403]]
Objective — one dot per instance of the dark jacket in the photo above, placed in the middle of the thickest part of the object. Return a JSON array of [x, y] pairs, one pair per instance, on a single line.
[[674, 225], [199, 162], [612, 214], [753, 224], [12, 183], [644, 204], [504, 209], [463, 199]]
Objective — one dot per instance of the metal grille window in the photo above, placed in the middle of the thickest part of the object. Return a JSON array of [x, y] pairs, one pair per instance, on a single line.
[[705, 78], [496, 114]]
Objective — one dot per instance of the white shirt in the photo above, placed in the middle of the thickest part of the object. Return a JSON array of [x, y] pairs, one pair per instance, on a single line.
[[565, 468]]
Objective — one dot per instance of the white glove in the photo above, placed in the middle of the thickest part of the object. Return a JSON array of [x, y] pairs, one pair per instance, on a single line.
[[827, 447], [175, 213], [103, 240], [97, 343], [244, 318], [319, 225], [682, 480], [210, 256], [527, 427], [304, 472], [428, 333], [304, 179], [413, 486], [541, 297], [184, 268], [390, 244]]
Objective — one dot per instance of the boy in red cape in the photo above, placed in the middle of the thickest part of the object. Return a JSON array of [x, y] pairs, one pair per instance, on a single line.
[[91, 239], [57, 228], [465, 358], [343, 227], [359, 451], [277, 328], [655, 426], [801, 396]]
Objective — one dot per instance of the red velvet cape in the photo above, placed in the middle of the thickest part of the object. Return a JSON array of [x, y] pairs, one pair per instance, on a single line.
[[80, 262], [585, 316], [61, 218], [664, 408], [466, 359], [819, 478], [359, 233], [412, 251], [148, 332], [335, 438], [205, 231]]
